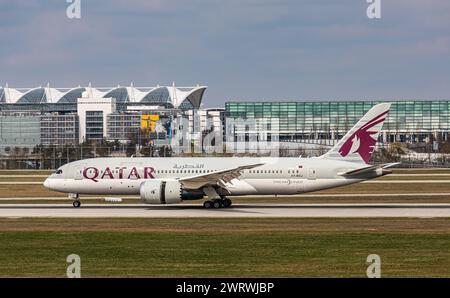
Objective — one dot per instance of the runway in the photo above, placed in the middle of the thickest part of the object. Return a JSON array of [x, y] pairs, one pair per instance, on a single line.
[[330, 195], [238, 210]]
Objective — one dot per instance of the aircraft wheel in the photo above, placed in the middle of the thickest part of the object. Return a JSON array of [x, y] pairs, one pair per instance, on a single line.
[[217, 204], [226, 203], [76, 204], [207, 204]]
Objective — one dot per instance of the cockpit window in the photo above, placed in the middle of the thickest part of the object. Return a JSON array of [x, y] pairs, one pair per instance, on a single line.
[[58, 172]]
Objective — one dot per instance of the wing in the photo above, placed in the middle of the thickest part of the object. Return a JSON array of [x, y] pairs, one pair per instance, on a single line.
[[215, 178]]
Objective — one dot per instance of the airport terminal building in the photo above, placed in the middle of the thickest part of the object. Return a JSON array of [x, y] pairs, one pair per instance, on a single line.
[[418, 121], [68, 116]]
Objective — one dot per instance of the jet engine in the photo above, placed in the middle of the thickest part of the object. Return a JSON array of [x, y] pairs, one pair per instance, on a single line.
[[157, 191]]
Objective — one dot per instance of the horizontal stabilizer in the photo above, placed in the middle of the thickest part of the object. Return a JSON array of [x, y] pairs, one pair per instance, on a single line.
[[368, 170]]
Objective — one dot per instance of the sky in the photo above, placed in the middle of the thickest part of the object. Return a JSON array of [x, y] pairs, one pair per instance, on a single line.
[[241, 49]]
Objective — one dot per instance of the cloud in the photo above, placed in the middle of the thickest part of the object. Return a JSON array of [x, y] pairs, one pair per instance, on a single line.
[[245, 49]]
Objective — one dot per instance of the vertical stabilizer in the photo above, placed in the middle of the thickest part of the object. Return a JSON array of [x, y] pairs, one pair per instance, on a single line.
[[359, 142]]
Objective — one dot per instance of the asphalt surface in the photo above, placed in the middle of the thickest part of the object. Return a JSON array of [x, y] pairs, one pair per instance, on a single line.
[[237, 210]]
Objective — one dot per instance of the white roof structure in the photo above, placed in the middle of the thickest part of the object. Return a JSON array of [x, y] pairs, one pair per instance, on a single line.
[[172, 95]]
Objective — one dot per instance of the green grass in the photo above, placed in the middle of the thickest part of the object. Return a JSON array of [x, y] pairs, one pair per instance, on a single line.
[[225, 248]]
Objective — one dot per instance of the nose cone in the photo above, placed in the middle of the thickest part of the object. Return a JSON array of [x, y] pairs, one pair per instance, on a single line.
[[47, 183]]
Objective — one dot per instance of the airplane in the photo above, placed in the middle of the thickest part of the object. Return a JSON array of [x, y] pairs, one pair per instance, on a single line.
[[175, 179]]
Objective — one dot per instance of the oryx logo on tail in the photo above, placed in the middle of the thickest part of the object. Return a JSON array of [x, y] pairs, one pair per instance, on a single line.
[[359, 142], [363, 140]]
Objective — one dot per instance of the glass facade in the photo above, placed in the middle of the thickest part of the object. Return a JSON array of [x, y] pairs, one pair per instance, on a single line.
[[50, 98], [123, 126], [126, 126], [94, 125], [72, 96], [120, 94], [19, 130], [33, 96], [59, 129], [157, 96], [63, 118], [408, 121]]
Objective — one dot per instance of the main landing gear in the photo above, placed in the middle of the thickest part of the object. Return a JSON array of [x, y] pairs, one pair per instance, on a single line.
[[217, 203], [76, 200], [215, 200]]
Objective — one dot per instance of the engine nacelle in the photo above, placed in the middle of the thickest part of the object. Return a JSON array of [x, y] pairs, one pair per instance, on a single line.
[[157, 191]]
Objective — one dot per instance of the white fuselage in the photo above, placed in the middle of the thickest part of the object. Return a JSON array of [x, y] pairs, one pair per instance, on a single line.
[[278, 176]]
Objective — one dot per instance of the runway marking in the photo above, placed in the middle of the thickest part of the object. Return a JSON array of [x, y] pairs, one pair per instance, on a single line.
[[21, 183], [417, 175], [343, 195], [405, 181], [24, 176], [238, 210]]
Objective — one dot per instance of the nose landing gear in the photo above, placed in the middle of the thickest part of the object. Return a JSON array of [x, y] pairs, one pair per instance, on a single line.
[[76, 203]]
